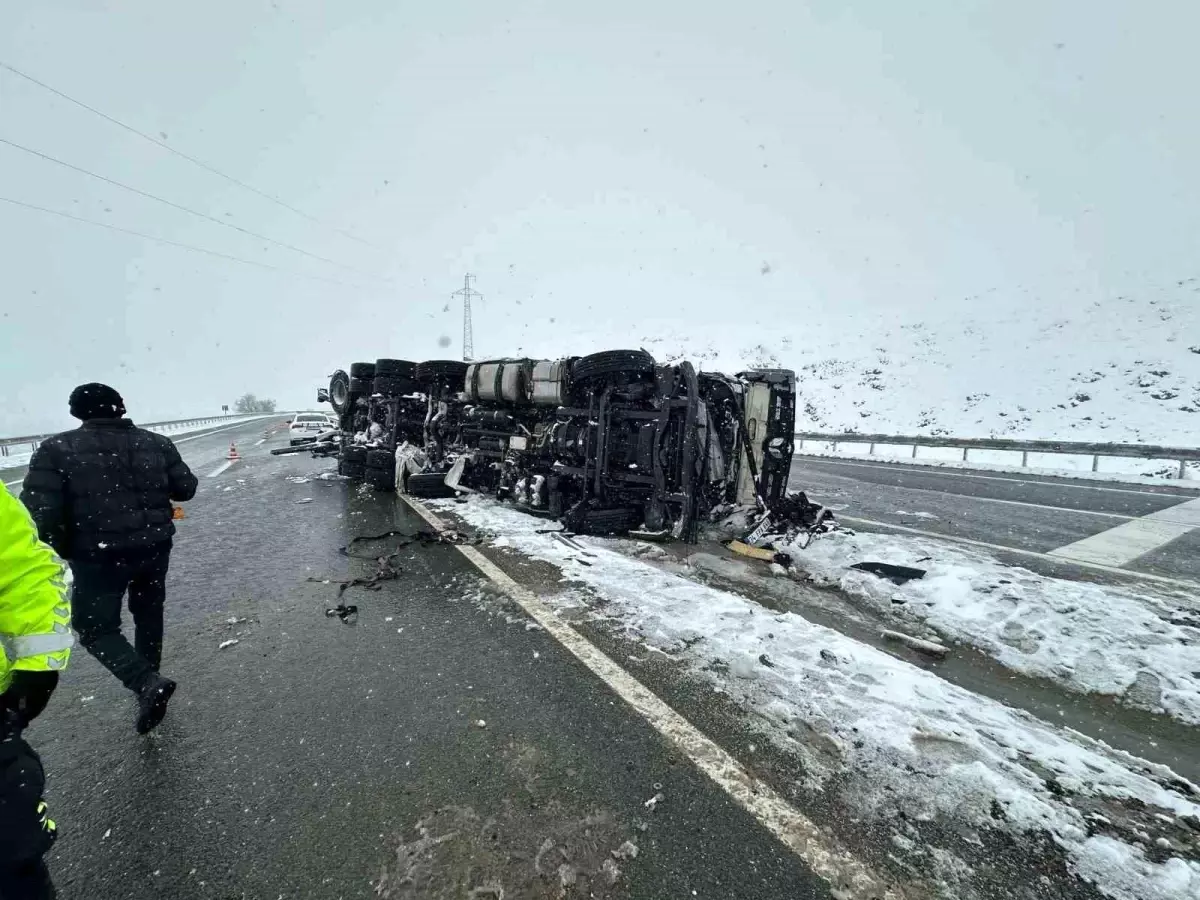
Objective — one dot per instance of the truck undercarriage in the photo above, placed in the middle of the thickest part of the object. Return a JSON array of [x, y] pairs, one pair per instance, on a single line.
[[607, 443]]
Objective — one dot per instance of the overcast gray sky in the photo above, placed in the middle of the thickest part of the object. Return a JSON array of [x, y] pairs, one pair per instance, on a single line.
[[615, 167]]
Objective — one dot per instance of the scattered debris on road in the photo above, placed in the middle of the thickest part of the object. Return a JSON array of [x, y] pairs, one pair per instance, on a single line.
[[628, 850], [348, 614], [228, 643], [305, 500], [654, 801], [892, 572]]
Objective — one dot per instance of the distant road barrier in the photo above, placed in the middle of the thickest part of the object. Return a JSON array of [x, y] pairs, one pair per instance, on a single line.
[[1181, 455], [29, 443]]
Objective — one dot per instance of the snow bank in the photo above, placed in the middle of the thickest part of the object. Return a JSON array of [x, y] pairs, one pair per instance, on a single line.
[[890, 737], [1090, 638]]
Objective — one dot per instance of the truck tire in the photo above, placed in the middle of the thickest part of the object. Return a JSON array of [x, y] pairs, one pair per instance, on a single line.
[[339, 391], [394, 385], [445, 372], [613, 362], [428, 484], [380, 459], [355, 455], [361, 387], [382, 479], [394, 368], [362, 370]]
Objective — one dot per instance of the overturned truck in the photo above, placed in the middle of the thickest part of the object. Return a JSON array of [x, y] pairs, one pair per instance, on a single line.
[[607, 443]]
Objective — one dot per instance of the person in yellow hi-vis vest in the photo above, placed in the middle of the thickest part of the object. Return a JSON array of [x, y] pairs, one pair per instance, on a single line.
[[35, 642]]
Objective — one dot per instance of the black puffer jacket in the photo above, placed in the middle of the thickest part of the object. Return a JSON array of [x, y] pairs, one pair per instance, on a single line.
[[105, 488]]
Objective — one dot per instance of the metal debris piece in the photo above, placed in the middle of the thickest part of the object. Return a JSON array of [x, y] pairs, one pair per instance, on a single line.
[[229, 643], [893, 573], [766, 660], [348, 614], [654, 801]]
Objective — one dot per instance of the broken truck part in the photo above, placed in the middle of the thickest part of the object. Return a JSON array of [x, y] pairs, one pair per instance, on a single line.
[[605, 443]]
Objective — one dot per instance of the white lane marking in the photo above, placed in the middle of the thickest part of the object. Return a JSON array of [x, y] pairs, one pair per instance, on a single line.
[[193, 437], [797, 832], [950, 473], [11, 483], [1191, 586], [1066, 509], [221, 468], [1122, 545]]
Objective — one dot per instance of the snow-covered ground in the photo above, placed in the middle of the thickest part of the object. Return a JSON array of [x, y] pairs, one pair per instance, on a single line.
[[1090, 638], [1123, 369], [897, 744]]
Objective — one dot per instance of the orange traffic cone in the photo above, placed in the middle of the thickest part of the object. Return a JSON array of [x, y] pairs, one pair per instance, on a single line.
[[233, 454]]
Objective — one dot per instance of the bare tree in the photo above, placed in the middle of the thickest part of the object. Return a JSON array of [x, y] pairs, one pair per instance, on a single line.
[[248, 404]]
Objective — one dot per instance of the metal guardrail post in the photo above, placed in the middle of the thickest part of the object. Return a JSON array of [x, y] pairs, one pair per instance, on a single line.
[[1024, 459], [1095, 462], [914, 456]]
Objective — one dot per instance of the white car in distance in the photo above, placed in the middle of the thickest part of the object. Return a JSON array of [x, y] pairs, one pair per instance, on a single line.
[[305, 427]]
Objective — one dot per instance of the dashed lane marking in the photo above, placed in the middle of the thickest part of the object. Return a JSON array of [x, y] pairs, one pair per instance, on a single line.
[[221, 468], [850, 877], [1191, 586]]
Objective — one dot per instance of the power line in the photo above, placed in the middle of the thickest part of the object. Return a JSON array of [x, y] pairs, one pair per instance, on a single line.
[[158, 240], [173, 205], [182, 155]]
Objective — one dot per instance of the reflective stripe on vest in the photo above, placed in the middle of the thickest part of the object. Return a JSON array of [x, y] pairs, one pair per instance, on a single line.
[[21, 646]]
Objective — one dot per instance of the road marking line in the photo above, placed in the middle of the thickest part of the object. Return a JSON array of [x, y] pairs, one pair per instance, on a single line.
[[1191, 586], [221, 468], [797, 832], [1122, 545], [1066, 509], [900, 465], [193, 437], [11, 483]]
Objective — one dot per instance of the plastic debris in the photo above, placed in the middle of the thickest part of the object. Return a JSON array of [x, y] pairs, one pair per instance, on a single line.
[[228, 643], [480, 723], [305, 500], [628, 850]]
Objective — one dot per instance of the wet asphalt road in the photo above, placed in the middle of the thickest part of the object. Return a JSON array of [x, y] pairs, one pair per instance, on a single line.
[[315, 759], [1026, 512]]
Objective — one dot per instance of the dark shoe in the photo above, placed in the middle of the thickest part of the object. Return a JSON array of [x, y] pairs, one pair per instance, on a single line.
[[152, 702]]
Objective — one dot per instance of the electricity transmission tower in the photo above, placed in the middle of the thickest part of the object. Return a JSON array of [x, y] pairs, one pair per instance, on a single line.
[[467, 295]]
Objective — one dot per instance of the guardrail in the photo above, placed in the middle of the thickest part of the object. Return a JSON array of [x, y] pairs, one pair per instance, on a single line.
[[29, 443], [1182, 455]]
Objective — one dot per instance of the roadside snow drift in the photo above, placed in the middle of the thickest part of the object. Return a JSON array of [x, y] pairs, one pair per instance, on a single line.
[[897, 744], [1090, 638]]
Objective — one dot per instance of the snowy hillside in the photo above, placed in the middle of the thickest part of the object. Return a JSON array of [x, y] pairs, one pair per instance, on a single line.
[[1122, 369]]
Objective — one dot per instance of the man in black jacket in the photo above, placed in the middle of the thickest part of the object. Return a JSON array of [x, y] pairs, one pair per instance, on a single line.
[[101, 497]]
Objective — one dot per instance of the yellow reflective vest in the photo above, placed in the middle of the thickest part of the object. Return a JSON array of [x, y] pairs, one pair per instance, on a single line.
[[35, 611]]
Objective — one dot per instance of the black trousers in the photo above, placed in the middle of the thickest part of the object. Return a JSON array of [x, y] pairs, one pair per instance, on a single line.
[[96, 611], [30, 881]]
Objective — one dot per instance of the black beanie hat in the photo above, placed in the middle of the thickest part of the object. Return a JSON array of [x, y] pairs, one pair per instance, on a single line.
[[96, 401]]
